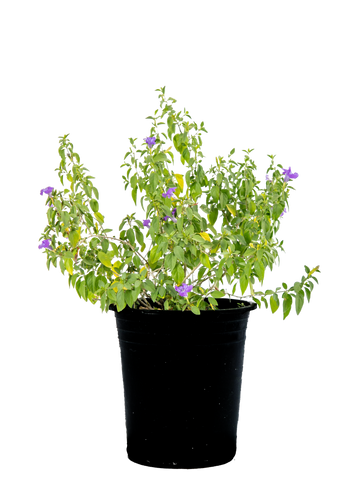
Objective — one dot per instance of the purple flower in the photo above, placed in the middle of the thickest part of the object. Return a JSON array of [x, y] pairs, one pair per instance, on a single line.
[[45, 190], [172, 217], [146, 222], [291, 174], [285, 212], [149, 140], [169, 193], [42, 245], [42, 192], [184, 289]]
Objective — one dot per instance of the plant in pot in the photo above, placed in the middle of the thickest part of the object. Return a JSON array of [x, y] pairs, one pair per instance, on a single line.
[[165, 277]]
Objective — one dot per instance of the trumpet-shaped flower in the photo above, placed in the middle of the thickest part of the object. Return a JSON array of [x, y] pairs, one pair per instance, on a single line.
[[45, 244], [283, 212], [169, 193], [146, 223], [47, 190], [150, 141], [184, 289], [288, 174]]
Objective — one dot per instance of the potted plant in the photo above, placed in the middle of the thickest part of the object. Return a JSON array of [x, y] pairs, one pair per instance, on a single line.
[[181, 334]]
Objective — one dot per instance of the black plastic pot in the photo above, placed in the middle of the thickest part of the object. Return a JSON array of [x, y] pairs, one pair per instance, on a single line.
[[182, 379]]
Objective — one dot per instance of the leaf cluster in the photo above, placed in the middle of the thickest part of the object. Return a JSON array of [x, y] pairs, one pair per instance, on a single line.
[[219, 226]]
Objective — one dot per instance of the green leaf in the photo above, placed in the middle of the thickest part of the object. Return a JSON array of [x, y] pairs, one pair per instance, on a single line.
[[148, 284], [96, 191], [87, 190], [287, 305], [88, 261], [177, 140], [212, 217], [90, 281], [131, 236], [204, 259], [73, 279], [178, 274], [244, 281], [185, 155], [160, 157], [94, 204], [232, 209], [167, 263], [252, 207], [179, 252], [103, 301], [88, 220], [139, 236], [100, 282], [195, 191], [265, 226], [162, 292], [105, 245], [83, 290], [195, 310], [111, 295], [259, 269], [69, 265], [120, 300], [308, 294], [115, 249], [68, 254], [62, 266], [274, 302], [62, 152], [215, 192], [99, 217], [153, 182], [155, 224], [247, 237], [299, 301], [155, 254], [212, 301], [201, 272], [217, 294], [219, 272], [65, 217], [74, 237], [129, 299], [277, 210], [136, 261], [133, 193], [297, 287], [50, 215], [94, 242], [133, 181], [105, 259], [230, 270], [77, 286]]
